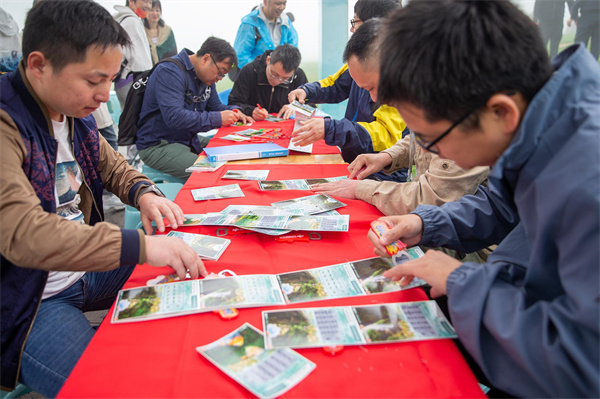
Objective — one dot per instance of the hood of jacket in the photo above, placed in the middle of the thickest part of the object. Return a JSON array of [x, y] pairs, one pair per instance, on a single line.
[[550, 114], [254, 17], [122, 11], [8, 26]]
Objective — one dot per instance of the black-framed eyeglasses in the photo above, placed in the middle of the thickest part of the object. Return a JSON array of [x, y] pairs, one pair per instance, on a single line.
[[353, 22], [279, 78], [220, 75], [427, 145]]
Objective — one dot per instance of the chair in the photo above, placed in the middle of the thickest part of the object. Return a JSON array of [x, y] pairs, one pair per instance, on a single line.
[[132, 215], [224, 96], [114, 107], [160, 177], [19, 391]]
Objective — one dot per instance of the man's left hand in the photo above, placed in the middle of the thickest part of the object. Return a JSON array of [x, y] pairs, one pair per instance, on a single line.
[[285, 112], [244, 118], [345, 188], [311, 131], [153, 208], [434, 268]]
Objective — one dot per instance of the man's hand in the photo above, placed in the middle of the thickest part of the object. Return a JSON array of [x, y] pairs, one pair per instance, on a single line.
[[229, 117], [285, 112], [345, 188], [174, 252], [366, 164], [408, 228], [153, 208], [244, 118], [259, 114], [311, 131], [434, 268], [298, 94]]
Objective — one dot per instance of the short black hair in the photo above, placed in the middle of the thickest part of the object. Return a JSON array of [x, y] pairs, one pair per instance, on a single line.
[[367, 9], [161, 23], [288, 55], [449, 57], [219, 49], [363, 43], [64, 30]]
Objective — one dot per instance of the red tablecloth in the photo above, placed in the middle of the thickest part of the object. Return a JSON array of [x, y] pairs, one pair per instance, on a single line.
[[286, 127], [157, 359]]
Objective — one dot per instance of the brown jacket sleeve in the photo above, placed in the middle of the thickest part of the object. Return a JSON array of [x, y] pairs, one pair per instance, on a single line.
[[32, 237], [438, 181]]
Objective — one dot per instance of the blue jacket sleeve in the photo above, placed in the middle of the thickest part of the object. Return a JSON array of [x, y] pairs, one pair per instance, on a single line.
[[331, 90], [523, 333], [244, 44], [171, 85], [469, 224], [352, 138]]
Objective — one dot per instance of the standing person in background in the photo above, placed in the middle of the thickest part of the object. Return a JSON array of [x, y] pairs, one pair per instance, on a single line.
[[10, 42], [263, 29], [136, 58], [549, 15], [160, 35], [586, 14]]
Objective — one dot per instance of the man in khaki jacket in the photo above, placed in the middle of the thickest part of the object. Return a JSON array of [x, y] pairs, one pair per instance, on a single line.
[[58, 256], [437, 180]]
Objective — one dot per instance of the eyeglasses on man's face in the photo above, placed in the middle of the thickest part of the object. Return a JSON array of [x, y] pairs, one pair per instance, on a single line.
[[278, 78], [428, 145], [354, 21], [220, 75]]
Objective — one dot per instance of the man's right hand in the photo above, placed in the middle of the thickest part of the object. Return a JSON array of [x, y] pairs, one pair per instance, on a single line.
[[366, 164], [259, 114], [298, 94], [174, 252], [228, 117], [407, 228]]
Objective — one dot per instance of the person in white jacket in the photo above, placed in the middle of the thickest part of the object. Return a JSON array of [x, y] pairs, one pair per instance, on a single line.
[[136, 58]]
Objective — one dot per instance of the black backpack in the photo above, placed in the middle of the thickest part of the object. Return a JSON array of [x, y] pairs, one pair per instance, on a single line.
[[129, 122]]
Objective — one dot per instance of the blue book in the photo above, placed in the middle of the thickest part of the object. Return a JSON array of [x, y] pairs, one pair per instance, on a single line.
[[245, 151]]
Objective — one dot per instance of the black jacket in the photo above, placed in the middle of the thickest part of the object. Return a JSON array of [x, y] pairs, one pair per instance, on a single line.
[[252, 87]]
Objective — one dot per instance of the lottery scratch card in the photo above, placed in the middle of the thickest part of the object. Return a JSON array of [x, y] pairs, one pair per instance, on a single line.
[[355, 325], [311, 204], [246, 174], [207, 247], [319, 223], [267, 374], [218, 192]]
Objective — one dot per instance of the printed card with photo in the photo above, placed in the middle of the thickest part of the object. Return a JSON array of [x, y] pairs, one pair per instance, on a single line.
[[355, 325], [207, 247], [319, 223], [297, 184], [267, 374], [246, 174], [311, 204], [217, 192]]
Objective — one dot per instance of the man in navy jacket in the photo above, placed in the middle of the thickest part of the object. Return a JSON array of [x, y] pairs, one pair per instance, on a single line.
[[530, 315]]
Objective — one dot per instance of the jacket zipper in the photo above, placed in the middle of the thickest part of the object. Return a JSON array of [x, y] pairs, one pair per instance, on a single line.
[[271, 98]]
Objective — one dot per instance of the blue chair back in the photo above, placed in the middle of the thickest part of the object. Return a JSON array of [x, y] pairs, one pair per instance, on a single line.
[[224, 96]]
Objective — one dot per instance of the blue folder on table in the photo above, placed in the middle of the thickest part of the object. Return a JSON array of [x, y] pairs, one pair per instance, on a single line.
[[245, 151]]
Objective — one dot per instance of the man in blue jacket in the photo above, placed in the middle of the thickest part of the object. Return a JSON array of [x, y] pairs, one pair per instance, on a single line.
[[263, 29], [177, 105], [530, 316]]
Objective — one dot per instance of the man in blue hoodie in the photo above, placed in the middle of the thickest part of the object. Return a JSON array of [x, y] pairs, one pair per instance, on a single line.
[[530, 316]]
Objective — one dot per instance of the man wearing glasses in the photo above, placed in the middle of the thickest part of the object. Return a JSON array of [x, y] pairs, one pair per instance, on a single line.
[[479, 88], [366, 126], [187, 103], [263, 85]]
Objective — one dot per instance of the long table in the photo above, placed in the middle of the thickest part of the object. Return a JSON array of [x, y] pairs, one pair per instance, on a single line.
[[157, 359]]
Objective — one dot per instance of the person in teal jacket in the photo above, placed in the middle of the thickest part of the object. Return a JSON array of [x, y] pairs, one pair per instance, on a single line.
[[263, 29], [530, 316]]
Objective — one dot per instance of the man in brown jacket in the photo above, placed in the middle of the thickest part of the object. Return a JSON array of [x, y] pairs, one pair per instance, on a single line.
[[58, 256]]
